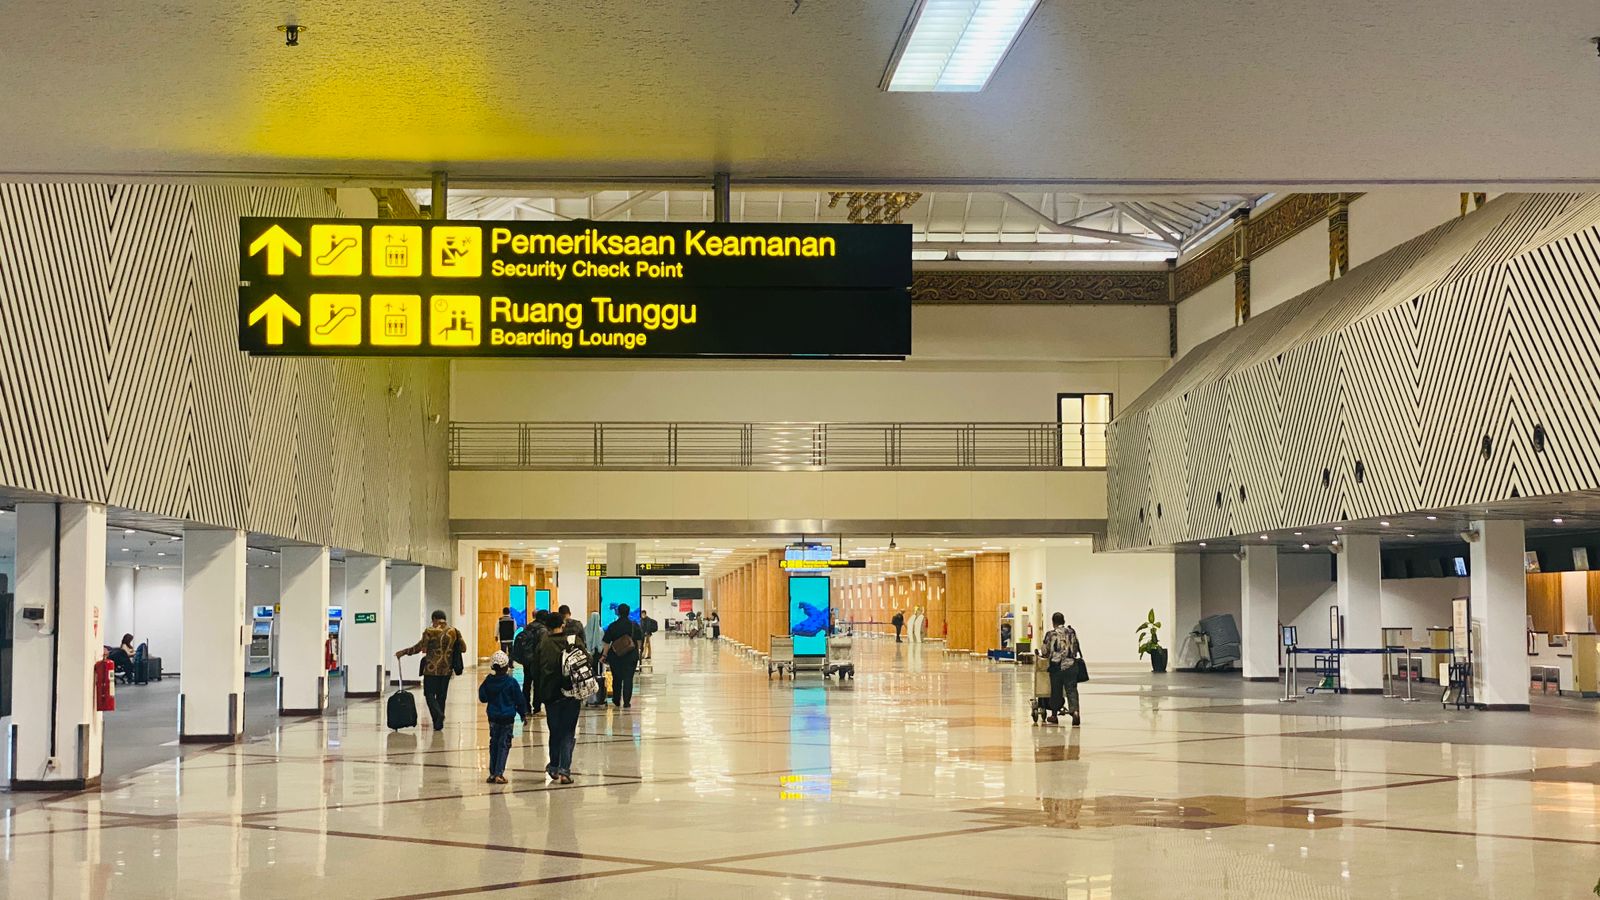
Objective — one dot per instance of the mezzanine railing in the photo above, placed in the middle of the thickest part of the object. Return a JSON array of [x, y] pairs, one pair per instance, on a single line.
[[763, 445]]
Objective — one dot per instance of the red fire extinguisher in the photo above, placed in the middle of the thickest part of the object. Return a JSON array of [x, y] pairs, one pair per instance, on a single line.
[[105, 686]]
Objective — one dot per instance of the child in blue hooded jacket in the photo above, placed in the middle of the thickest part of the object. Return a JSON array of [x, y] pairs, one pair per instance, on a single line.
[[505, 701]]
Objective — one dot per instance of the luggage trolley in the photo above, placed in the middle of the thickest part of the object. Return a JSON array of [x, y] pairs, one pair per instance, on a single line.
[[841, 658], [1040, 707], [781, 656]]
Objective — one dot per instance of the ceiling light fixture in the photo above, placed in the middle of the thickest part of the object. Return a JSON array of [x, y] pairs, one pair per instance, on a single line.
[[954, 45], [1558, 520], [1384, 524], [1433, 518]]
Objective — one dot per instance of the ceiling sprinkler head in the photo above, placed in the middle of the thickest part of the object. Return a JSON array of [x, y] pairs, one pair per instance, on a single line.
[[291, 34]]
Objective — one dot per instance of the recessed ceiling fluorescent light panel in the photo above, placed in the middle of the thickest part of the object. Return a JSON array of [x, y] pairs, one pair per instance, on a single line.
[[955, 45]]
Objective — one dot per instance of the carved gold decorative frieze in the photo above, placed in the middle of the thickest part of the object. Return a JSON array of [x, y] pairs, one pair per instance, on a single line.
[[875, 207], [1094, 287]]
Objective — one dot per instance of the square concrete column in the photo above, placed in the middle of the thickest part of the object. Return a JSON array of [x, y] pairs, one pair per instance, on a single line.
[[1186, 598], [1500, 615], [61, 573], [366, 623], [572, 579], [303, 632], [211, 701], [408, 616], [620, 560], [1359, 592], [1258, 613]]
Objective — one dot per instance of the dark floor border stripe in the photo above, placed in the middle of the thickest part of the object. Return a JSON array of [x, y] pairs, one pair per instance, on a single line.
[[1479, 834], [867, 882]]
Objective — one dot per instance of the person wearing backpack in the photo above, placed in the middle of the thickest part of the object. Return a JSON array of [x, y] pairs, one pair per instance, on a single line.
[[443, 647], [1061, 647], [899, 622], [650, 627], [525, 653], [502, 699], [564, 681], [622, 641]]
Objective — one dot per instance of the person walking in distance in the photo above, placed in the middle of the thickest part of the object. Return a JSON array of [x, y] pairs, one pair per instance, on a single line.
[[899, 622], [503, 700], [1061, 647], [564, 681], [439, 644], [506, 630], [525, 653], [621, 643]]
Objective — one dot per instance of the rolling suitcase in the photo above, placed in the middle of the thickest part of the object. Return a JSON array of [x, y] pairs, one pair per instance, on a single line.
[[402, 712]]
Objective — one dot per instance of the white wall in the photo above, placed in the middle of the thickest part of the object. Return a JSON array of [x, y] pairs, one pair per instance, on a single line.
[[1306, 590], [1383, 219], [1379, 220], [971, 363], [147, 603], [1104, 596], [1289, 269], [1205, 314]]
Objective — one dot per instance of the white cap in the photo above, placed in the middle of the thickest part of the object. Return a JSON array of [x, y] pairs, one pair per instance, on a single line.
[[500, 659]]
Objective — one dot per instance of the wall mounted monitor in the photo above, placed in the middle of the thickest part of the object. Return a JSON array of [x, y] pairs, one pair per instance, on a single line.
[[809, 598], [517, 599], [615, 591], [541, 600]]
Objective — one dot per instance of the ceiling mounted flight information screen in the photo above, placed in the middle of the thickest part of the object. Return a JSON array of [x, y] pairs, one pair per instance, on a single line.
[[393, 287]]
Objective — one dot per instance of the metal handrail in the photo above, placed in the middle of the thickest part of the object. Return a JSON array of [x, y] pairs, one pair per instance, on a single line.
[[769, 446]]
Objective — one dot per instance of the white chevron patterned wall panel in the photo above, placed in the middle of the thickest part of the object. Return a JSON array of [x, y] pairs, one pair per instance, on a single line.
[[121, 382], [152, 272], [1548, 291], [1462, 367], [1167, 505], [54, 290], [1462, 345], [1381, 386], [1211, 471], [1255, 448], [220, 421]]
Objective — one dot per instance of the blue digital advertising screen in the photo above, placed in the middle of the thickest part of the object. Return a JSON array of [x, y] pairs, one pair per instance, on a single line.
[[808, 613], [518, 601], [541, 600], [614, 591]]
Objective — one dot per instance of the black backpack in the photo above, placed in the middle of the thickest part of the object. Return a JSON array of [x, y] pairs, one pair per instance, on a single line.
[[525, 649]]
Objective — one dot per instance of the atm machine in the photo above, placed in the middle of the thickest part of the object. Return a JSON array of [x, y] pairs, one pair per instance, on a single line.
[[262, 658], [334, 653]]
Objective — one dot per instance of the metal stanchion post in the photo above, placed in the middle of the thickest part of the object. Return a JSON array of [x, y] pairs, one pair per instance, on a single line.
[[1408, 698], [1290, 682], [1388, 676]]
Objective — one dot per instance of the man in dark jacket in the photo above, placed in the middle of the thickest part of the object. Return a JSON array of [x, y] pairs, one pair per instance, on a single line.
[[899, 622], [561, 710], [506, 630], [525, 653]]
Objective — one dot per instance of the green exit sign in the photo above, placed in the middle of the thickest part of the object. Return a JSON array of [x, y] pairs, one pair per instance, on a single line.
[[367, 618]]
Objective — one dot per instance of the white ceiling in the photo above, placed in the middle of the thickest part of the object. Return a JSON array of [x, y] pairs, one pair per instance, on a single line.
[[1095, 92], [950, 224]]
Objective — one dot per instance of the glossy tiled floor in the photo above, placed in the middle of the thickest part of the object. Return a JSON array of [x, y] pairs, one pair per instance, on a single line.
[[922, 778]]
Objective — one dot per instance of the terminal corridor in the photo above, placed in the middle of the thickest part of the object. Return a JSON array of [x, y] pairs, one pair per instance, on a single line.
[[923, 777]]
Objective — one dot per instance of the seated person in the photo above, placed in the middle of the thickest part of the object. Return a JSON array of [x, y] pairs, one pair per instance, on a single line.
[[123, 656]]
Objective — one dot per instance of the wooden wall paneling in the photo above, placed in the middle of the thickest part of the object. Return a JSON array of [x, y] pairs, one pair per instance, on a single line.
[[958, 603], [1544, 602], [936, 609], [919, 593], [777, 595], [492, 581], [1594, 595], [991, 587]]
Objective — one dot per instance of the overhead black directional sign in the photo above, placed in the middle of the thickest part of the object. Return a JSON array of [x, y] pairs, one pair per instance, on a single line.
[[392, 287]]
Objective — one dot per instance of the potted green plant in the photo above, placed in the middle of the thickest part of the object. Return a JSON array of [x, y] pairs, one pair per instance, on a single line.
[[1150, 642]]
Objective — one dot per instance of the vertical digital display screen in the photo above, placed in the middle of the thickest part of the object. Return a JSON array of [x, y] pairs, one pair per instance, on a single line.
[[614, 591], [518, 601], [808, 614], [541, 600]]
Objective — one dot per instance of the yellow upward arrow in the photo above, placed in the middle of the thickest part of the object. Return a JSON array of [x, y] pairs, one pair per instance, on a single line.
[[274, 309], [275, 240]]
